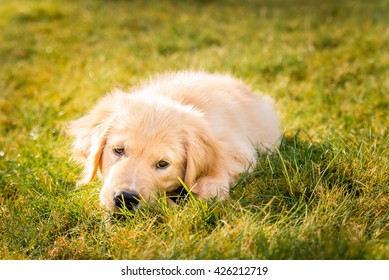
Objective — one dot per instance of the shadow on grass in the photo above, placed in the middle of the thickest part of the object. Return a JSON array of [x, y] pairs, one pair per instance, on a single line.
[[299, 171]]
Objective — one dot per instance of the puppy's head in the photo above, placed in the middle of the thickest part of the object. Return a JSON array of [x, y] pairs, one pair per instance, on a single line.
[[140, 145]]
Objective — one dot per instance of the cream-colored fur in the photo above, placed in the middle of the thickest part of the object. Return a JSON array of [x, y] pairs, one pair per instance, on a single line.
[[207, 127]]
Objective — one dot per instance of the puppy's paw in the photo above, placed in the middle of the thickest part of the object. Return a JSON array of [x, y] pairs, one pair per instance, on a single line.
[[207, 188]]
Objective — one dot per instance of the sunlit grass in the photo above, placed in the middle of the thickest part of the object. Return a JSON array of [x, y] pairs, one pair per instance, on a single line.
[[322, 195]]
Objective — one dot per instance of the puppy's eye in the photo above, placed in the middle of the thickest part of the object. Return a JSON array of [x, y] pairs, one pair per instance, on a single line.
[[118, 151], [162, 164]]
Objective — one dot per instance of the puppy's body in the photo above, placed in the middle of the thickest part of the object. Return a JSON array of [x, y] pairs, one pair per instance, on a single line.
[[200, 127]]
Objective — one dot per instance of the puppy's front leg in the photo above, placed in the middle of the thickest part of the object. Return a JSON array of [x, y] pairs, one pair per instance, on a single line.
[[209, 187]]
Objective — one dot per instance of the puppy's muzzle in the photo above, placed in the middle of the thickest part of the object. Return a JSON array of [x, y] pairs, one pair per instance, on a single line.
[[127, 200]]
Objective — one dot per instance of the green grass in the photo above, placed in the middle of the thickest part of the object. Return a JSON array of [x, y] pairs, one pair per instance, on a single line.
[[323, 195]]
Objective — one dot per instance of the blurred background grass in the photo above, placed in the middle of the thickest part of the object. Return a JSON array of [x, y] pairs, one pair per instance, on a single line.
[[324, 195]]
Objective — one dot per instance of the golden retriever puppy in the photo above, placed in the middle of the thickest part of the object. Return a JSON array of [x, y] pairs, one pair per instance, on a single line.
[[203, 128]]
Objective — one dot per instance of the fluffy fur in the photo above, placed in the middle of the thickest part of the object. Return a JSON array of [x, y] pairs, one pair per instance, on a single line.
[[206, 128]]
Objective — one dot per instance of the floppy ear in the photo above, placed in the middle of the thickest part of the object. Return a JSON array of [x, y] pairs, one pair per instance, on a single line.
[[89, 134], [203, 153]]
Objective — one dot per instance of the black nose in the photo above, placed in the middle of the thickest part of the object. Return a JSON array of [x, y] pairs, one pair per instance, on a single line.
[[127, 200]]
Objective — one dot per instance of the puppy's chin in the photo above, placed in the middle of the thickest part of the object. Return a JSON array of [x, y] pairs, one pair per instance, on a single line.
[[119, 214]]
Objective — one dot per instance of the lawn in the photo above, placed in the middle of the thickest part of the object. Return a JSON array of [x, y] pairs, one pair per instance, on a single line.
[[323, 195]]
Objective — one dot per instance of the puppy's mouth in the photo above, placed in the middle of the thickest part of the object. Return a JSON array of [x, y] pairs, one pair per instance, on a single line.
[[127, 205], [177, 195]]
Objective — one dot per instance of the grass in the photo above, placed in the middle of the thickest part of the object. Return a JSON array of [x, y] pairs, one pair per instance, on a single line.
[[323, 195]]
